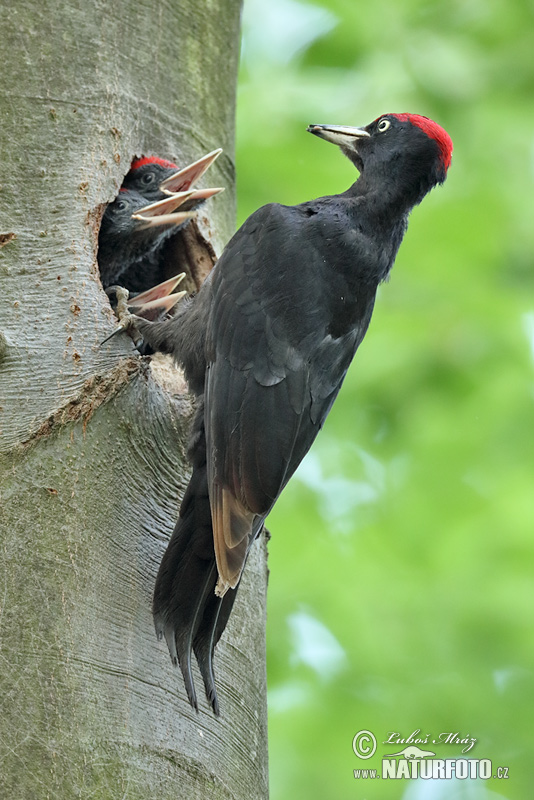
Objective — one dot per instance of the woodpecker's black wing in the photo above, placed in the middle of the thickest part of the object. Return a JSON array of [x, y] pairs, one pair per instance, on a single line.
[[285, 323]]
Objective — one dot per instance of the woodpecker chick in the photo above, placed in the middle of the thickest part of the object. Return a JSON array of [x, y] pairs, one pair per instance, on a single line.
[[155, 177], [132, 235]]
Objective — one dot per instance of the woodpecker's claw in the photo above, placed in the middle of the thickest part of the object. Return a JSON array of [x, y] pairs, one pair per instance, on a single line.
[[126, 319], [148, 305], [186, 177], [119, 329]]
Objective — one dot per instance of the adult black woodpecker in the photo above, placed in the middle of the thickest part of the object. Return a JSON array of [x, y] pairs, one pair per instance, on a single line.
[[265, 345], [132, 235]]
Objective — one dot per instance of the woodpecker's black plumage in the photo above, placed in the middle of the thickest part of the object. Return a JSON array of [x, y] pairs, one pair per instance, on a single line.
[[265, 346]]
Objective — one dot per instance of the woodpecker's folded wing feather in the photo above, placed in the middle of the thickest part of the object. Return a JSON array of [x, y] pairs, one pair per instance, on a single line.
[[270, 382]]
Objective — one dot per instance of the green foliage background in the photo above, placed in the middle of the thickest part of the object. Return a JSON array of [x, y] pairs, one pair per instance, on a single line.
[[401, 589]]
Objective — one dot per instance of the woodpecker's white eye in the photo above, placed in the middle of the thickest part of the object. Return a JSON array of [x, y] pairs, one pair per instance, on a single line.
[[383, 125]]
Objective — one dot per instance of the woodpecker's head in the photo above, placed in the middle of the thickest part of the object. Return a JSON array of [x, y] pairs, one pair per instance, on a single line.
[[146, 175], [155, 178], [404, 148], [129, 214]]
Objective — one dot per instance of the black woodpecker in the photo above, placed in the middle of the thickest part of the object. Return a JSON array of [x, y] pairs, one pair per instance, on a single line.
[[265, 345]]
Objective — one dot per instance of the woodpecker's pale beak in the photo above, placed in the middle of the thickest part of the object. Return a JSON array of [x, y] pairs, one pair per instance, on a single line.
[[198, 197], [160, 213], [159, 305], [342, 135], [165, 206], [186, 177], [205, 194], [157, 293], [164, 219]]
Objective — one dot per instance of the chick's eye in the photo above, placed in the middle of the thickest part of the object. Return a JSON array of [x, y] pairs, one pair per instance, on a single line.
[[120, 205], [383, 125], [148, 177]]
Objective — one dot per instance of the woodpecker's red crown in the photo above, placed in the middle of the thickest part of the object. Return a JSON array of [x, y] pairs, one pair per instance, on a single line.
[[433, 130], [140, 162]]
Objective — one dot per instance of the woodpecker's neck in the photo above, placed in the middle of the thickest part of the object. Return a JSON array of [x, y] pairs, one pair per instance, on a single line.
[[393, 188]]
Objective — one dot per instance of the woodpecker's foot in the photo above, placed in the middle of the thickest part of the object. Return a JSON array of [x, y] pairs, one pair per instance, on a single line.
[[127, 321]]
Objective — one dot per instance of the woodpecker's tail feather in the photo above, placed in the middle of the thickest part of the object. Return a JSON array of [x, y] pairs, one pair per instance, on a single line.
[[186, 610], [216, 614]]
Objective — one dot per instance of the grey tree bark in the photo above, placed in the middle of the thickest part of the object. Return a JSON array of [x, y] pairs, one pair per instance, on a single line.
[[92, 439]]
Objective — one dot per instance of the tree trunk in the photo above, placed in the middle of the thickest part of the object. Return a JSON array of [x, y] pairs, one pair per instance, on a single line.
[[92, 439]]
